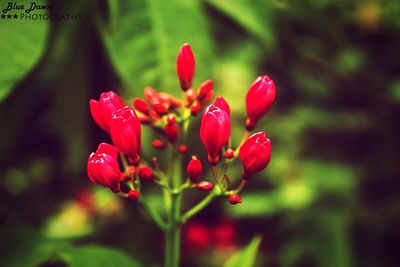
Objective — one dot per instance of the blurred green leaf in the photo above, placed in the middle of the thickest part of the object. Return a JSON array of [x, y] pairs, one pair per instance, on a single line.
[[146, 39], [28, 248], [350, 60], [234, 73], [23, 43], [25, 247], [314, 87], [246, 257], [311, 180], [253, 16], [293, 196], [96, 256], [394, 91]]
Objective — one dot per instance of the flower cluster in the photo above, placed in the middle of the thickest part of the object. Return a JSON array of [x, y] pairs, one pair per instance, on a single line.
[[169, 117]]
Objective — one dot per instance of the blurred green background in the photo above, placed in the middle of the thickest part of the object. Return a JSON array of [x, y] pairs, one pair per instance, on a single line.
[[331, 194]]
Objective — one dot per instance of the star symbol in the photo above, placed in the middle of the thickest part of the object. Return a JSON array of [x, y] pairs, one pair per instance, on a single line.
[[15, 16], [3, 16], [9, 16]]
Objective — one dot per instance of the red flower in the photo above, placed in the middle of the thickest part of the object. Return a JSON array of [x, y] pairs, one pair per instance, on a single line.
[[103, 109], [259, 99], [103, 168], [235, 199], [215, 130], [125, 133], [194, 169], [255, 154], [185, 65], [225, 234], [197, 236]]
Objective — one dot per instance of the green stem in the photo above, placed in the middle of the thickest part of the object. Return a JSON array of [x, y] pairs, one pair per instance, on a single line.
[[153, 214], [172, 234], [201, 205]]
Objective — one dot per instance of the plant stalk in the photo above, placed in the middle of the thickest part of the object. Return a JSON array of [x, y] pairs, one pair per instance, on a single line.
[[173, 233]]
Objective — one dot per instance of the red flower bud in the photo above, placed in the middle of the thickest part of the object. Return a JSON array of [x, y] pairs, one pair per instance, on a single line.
[[160, 108], [190, 97], [235, 199], [103, 109], [204, 186], [215, 130], [145, 173], [182, 149], [171, 132], [195, 109], [133, 195], [144, 119], [103, 168], [185, 65], [194, 169], [205, 92], [126, 133], [172, 102], [159, 144], [141, 106], [150, 94], [222, 104], [153, 115], [255, 154], [229, 153], [171, 119], [260, 98]]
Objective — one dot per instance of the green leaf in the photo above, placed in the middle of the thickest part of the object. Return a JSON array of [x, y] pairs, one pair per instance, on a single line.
[[96, 256], [146, 36], [25, 247], [246, 257], [23, 43], [253, 16]]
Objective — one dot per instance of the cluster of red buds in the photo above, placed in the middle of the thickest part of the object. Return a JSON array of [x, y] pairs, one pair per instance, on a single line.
[[169, 118]]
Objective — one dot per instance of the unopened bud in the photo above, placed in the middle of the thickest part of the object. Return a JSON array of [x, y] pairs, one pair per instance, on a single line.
[[235, 199], [204, 186], [194, 169], [190, 97], [205, 92], [185, 65], [182, 149], [158, 144], [229, 153], [171, 132], [133, 195], [194, 110], [141, 106], [145, 173], [150, 94], [160, 108], [171, 118], [249, 125]]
